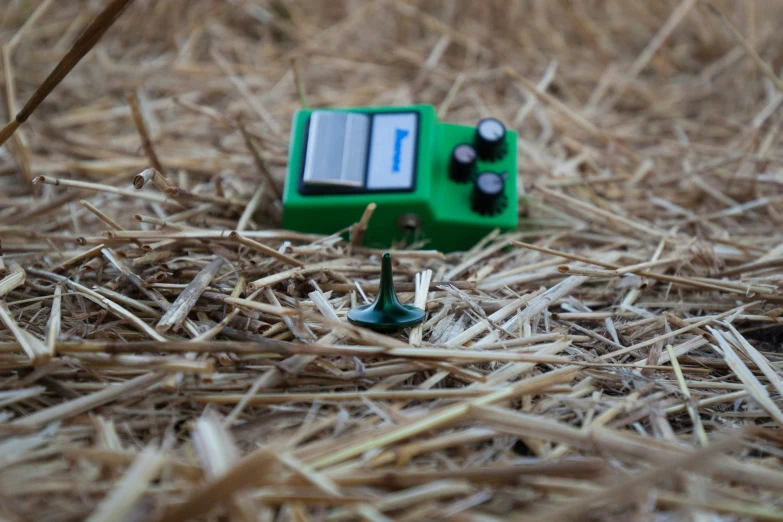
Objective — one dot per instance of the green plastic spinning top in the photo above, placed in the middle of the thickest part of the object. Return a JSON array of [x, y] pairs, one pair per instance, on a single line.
[[386, 313]]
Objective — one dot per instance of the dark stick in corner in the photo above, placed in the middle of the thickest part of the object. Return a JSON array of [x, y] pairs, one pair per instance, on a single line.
[[80, 48]]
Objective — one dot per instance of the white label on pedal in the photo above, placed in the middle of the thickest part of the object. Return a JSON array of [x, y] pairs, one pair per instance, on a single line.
[[392, 151]]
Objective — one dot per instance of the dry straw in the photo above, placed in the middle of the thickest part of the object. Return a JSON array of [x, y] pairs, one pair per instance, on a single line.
[[167, 352]]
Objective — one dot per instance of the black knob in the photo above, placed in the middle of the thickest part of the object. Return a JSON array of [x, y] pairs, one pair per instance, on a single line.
[[489, 195], [463, 163], [490, 139]]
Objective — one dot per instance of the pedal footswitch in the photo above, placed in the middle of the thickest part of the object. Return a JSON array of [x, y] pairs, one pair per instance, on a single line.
[[455, 183]]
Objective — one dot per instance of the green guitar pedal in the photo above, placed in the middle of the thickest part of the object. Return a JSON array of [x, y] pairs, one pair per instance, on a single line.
[[439, 185]]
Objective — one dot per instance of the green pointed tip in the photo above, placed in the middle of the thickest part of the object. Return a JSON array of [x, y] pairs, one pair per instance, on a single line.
[[386, 313]]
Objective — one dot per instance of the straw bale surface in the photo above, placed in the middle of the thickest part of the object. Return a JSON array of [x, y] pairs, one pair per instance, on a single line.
[[167, 352]]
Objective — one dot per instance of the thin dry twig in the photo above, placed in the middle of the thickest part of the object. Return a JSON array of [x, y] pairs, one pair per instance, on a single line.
[[91, 35]]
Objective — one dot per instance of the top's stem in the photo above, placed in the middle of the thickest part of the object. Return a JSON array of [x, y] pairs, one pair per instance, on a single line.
[[387, 297]]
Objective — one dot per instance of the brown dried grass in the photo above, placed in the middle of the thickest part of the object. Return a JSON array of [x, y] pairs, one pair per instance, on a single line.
[[168, 353]]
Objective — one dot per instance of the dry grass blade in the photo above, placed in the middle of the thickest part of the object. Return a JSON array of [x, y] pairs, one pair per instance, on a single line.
[[748, 47], [624, 444], [556, 104], [623, 490], [360, 228], [251, 470], [98, 187], [218, 453], [259, 247], [259, 161], [754, 388], [78, 259], [88, 402], [119, 502], [413, 395], [423, 280], [102, 302], [15, 449], [146, 142], [448, 415], [692, 409], [179, 310], [35, 349], [761, 362], [13, 280], [100, 215], [55, 320]]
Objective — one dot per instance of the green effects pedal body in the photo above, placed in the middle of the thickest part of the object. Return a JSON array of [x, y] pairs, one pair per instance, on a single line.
[[445, 184]]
